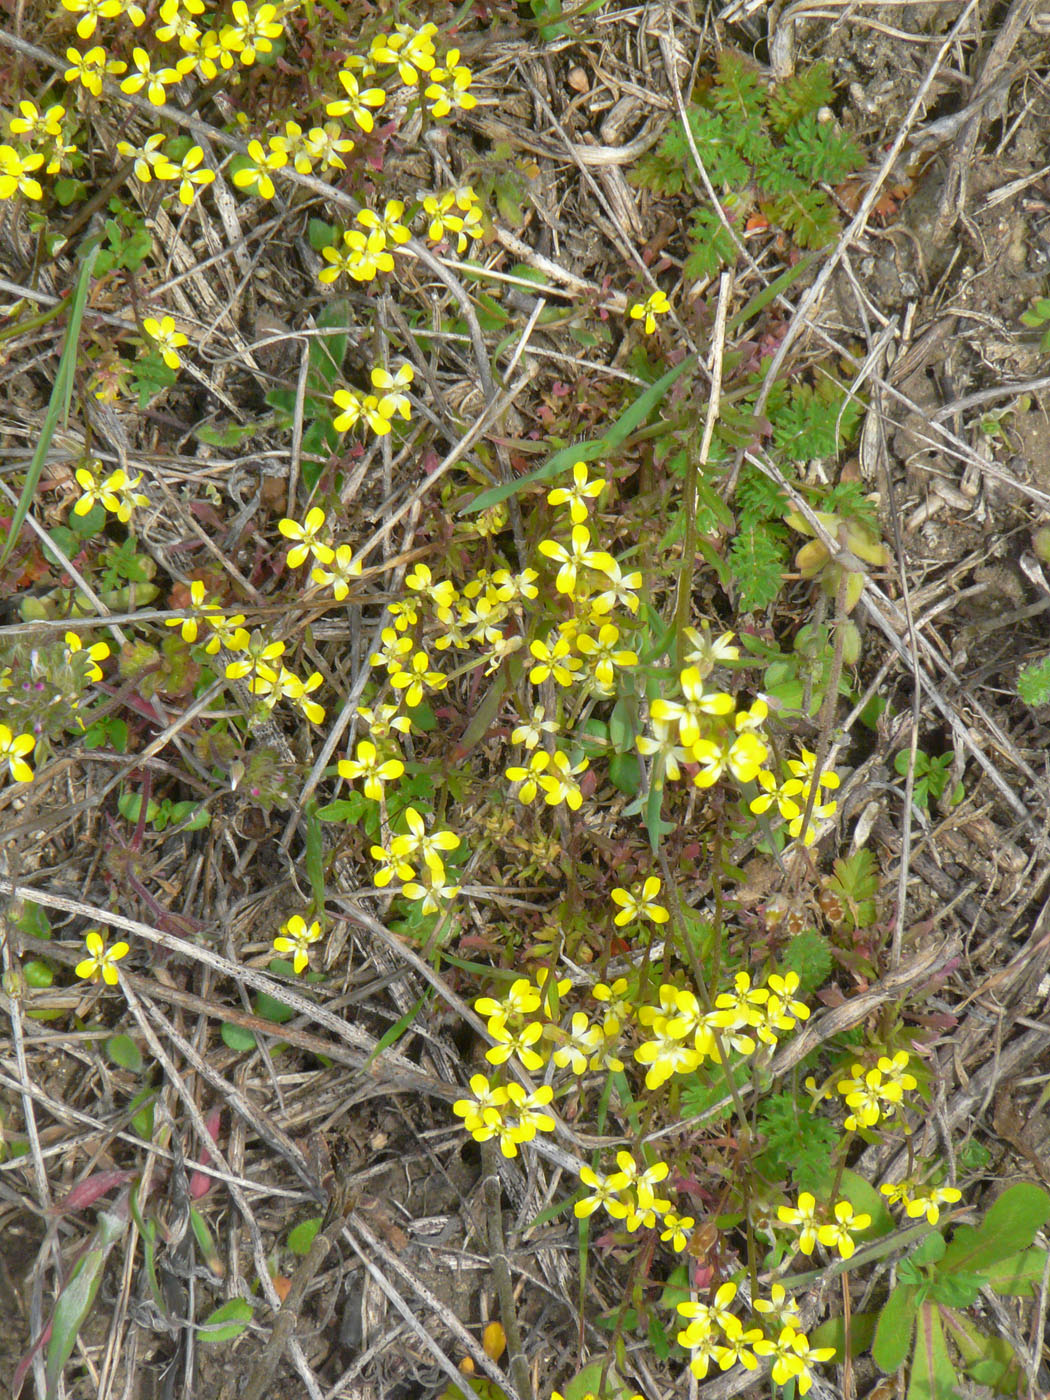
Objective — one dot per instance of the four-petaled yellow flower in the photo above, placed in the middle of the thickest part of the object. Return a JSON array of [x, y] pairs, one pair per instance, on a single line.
[[577, 495], [308, 536], [166, 338], [647, 311], [295, 938], [639, 902], [13, 750], [372, 768], [100, 960]]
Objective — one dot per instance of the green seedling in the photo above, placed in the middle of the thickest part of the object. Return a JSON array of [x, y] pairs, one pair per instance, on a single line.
[[931, 777]]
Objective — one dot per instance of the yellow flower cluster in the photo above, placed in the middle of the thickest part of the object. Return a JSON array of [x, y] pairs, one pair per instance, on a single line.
[[705, 728], [919, 1198], [815, 1223], [376, 411], [364, 252], [876, 1094], [116, 493], [682, 1035], [716, 1333], [505, 1112], [454, 212]]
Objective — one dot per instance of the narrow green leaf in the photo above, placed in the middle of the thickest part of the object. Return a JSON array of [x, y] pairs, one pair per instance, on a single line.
[[75, 1300], [61, 393], [632, 417], [227, 1323], [315, 855], [394, 1033]]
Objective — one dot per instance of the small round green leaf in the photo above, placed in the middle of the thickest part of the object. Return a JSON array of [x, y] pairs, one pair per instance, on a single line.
[[302, 1236], [123, 1051], [227, 1323], [237, 1037]]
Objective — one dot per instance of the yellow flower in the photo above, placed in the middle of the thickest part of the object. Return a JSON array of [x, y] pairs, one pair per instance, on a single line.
[[640, 902], [95, 653], [308, 536], [251, 34], [15, 176], [836, 1234], [369, 766], [91, 11], [576, 496], [648, 310], [166, 338], [263, 161], [295, 938], [100, 960], [88, 68], [804, 1218], [190, 172], [357, 103], [13, 749]]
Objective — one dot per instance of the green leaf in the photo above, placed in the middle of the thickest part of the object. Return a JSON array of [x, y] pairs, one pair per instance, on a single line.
[[632, 417], [238, 1038], [1009, 1226], [394, 1033], [75, 1300], [61, 394], [301, 1237], [205, 1242], [327, 352], [227, 1323], [123, 1051], [1019, 1276], [932, 1374], [38, 974], [270, 1009], [893, 1331], [33, 920], [315, 855], [832, 1333], [142, 1117]]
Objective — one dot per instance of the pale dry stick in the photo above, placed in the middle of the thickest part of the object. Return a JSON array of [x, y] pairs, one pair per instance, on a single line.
[[14, 1012], [243, 1205], [904, 864], [491, 412], [358, 1234], [298, 415], [883, 610], [983, 396], [346, 720], [263, 1375], [348, 1033], [517, 1362], [261, 1123], [629, 252], [810, 299]]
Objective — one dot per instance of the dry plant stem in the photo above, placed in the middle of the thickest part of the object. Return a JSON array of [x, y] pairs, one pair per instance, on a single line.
[[264, 1372], [827, 709], [518, 1365], [714, 402]]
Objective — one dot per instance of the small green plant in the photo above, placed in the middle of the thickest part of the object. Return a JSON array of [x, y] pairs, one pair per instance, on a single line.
[[1038, 317], [1033, 683], [766, 149], [925, 1315], [931, 777], [190, 816]]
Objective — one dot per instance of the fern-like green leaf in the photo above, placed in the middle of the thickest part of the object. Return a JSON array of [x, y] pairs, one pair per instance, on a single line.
[[1033, 684], [806, 215], [712, 246], [799, 97], [847, 499], [821, 150], [718, 146], [810, 425], [757, 498], [757, 559], [739, 92]]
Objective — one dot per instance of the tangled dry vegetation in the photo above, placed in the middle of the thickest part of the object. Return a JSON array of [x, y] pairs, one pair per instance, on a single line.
[[524, 858]]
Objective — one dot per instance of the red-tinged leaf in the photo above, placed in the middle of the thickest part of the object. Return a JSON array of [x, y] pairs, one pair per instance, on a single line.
[[200, 1182], [22, 1369], [932, 1373], [85, 1193]]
